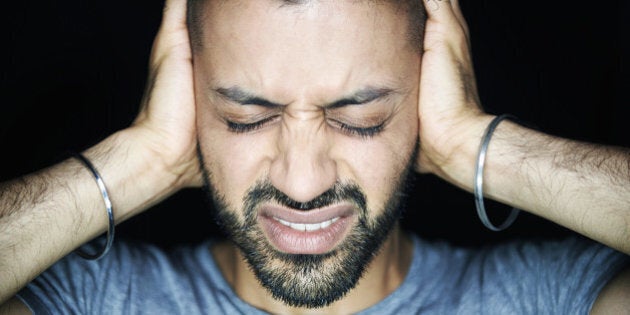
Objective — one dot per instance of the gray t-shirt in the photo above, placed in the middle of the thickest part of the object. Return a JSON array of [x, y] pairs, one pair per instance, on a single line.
[[551, 277]]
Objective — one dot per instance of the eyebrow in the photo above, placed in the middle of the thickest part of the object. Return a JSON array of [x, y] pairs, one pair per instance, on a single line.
[[362, 96], [240, 96]]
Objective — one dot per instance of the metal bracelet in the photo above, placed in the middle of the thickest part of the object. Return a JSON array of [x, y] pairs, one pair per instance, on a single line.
[[110, 212], [478, 185]]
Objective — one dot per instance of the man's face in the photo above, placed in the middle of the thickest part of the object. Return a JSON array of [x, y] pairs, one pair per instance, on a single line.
[[307, 124]]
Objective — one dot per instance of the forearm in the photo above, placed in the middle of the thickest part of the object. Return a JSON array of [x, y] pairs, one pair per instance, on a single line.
[[584, 187], [47, 214]]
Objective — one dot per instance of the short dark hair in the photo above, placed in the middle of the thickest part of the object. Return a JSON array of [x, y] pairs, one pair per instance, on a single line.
[[414, 9]]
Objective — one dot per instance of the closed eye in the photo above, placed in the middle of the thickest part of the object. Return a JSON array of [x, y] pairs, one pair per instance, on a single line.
[[362, 132], [248, 127]]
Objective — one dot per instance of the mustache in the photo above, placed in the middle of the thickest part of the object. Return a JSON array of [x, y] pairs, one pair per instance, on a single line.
[[264, 191]]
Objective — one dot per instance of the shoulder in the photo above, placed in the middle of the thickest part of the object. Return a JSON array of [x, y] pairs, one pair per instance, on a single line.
[[133, 271], [522, 275], [573, 251], [564, 275]]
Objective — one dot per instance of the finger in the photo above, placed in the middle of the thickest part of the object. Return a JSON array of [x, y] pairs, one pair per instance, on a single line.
[[170, 43], [457, 10], [172, 29], [443, 23], [174, 15], [440, 11]]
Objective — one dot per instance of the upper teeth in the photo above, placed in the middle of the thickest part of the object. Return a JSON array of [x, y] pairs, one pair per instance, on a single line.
[[306, 226]]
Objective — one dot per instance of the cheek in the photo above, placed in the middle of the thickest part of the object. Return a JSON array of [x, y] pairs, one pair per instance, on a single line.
[[377, 164], [234, 161]]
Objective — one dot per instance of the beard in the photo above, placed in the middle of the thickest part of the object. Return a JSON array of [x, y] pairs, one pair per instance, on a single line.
[[310, 280]]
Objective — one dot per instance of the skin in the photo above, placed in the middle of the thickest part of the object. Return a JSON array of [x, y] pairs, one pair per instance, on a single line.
[[303, 150], [59, 208], [332, 50]]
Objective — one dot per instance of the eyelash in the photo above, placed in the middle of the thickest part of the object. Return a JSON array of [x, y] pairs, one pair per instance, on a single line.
[[366, 132], [242, 128]]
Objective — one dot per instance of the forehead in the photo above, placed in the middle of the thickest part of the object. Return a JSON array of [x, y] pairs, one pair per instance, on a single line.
[[317, 43]]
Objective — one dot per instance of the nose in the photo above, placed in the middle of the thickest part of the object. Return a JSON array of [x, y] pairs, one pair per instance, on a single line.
[[303, 168]]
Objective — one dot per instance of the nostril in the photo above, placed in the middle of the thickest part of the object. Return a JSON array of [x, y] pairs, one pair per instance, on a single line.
[[329, 197], [302, 184]]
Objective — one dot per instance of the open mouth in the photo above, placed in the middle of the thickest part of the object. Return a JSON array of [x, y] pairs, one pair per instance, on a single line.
[[316, 231]]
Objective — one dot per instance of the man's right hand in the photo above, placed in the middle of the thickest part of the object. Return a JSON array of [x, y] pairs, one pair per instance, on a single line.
[[156, 155], [47, 214], [166, 122]]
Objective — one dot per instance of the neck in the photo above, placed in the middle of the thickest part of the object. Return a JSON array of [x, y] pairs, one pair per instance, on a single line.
[[382, 276]]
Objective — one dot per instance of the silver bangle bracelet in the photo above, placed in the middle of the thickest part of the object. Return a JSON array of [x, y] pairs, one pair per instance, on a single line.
[[478, 185], [110, 212]]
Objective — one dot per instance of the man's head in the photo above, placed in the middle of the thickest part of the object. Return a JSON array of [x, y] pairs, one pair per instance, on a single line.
[[307, 124]]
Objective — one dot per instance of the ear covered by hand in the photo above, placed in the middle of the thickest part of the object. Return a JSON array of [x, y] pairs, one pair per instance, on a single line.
[[166, 121], [449, 109]]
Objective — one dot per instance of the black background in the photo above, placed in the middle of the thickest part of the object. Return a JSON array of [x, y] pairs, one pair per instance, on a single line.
[[73, 72]]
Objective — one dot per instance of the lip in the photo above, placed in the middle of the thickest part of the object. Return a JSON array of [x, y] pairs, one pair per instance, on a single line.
[[291, 241]]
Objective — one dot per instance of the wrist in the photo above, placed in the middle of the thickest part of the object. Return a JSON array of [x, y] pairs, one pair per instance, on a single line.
[[503, 174], [451, 155], [136, 175]]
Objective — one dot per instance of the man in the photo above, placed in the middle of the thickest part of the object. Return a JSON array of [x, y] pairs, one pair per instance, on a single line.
[[303, 119]]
